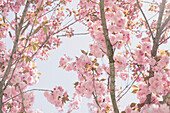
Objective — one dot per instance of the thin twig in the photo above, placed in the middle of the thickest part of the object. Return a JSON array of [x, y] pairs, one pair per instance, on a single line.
[[165, 29], [149, 2], [23, 106], [17, 61], [72, 34], [145, 19], [95, 92], [164, 41], [153, 16], [93, 2], [7, 21], [128, 88], [49, 11], [54, 34], [26, 92], [165, 23]]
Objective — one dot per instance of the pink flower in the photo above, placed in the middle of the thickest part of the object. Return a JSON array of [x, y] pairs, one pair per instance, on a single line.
[[152, 61], [164, 61], [124, 75], [146, 46], [128, 109], [153, 108], [168, 6], [143, 91], [95, 50], [2, 44], [139, 35], [121, 63], [35, 111], [56, 97], [69, 0], [131, 1]]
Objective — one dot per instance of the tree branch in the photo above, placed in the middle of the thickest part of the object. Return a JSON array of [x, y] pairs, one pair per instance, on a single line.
[[17, 61], [23, 106], [145, 19], [167, 97], [165, 23], [165, 29], [128, 88], [156, 44], [164, 40], [25, 92], [2, 82], [95, 93], [15, 45], [110, 55], [54, 34], [73, 34], [160, 17]]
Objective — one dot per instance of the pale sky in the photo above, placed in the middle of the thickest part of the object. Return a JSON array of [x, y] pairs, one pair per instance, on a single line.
[[53, 76]]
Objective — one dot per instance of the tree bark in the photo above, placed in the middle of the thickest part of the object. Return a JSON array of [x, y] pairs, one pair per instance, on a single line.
[[110, 55], [18, 30], [156, 40]]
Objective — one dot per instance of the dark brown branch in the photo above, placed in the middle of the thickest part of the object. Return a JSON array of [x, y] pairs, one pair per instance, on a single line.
[[103, 51], [93, 2]]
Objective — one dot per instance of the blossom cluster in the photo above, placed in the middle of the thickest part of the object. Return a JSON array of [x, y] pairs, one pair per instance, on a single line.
[[37, 35], [58, 97]]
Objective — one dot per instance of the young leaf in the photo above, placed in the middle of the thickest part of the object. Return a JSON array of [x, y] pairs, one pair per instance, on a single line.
[[76, 84], [135, 91], [102, 79], [96, 64], [36, 30], [84, 52], [135, 87], [27, 60], [132, 105], [25, 71], [45, 30], [25, 81], [34, 47]]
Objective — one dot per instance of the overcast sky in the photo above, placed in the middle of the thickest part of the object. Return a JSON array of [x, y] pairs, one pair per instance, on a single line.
[[53, 76]]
